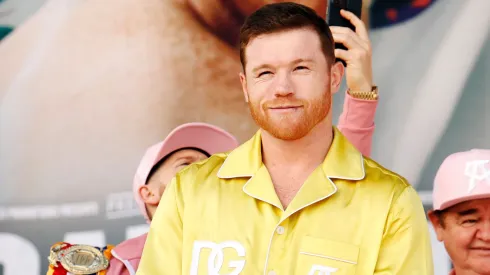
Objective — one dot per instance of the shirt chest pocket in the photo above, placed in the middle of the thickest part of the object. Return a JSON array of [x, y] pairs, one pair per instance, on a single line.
[[326, 257]]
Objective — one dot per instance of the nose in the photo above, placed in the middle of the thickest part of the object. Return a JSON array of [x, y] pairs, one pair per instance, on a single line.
[[484, 231], [283, 86]]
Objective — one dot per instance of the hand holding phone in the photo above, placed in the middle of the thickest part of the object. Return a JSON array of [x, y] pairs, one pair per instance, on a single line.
[[334, 18], [356, 52]]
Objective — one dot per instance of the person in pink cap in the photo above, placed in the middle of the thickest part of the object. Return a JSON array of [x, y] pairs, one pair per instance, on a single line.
[[461, 214], [186, 144]]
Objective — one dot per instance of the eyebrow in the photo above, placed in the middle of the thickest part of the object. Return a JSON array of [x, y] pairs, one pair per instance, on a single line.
[[467, 212], [296, 61], [185, 158]]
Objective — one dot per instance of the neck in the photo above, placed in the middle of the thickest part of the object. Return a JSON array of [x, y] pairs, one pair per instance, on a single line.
[[309, 151], [220, 17], [151, 209]]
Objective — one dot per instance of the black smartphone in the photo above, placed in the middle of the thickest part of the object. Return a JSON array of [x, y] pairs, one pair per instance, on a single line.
[[334, 18]]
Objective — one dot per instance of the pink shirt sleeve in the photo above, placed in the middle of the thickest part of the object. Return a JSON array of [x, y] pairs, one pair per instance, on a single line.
[[357, 122], [117, 267]]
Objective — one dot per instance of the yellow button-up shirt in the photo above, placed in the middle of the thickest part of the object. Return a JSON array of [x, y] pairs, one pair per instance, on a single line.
[[351, 216]]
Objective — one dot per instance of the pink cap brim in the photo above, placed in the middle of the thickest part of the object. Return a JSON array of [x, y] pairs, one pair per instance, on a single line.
[[450, 203]]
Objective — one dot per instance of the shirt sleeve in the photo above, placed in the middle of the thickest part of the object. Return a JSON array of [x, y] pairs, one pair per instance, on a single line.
[[357, 122], [406, 247], [117, 267], [162, 253]]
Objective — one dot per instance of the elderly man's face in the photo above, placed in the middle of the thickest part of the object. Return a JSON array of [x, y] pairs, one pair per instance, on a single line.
[[465, 231], [247, 7]]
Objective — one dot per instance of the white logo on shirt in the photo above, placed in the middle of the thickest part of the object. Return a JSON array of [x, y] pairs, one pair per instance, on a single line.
[[215, 260], [477, 172], [322, 270]]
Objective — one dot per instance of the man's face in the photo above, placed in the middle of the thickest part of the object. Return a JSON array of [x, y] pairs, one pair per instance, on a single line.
[[172, 165], [465, 232], [247, 7], [287, 82]]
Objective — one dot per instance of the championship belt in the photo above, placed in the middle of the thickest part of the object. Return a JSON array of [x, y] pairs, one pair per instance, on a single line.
[[67, 259]]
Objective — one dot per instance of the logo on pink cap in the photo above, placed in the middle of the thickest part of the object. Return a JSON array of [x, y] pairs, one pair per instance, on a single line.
[[478, 173], [462, 177]]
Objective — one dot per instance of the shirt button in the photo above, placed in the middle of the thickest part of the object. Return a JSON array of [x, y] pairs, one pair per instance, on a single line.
[[280, 230], [272, 272]]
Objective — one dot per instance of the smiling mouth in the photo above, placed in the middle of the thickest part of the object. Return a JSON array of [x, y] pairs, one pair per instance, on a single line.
[[285, 107], [483, 250]]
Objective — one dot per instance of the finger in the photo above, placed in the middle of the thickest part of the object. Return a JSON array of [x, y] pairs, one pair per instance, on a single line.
[[357, 22], [338, 31], [350, 42], [343, 54]]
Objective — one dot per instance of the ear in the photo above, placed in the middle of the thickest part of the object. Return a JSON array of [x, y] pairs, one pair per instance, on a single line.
[[243, 80], [336, 75], [149, 195], [437, 224]]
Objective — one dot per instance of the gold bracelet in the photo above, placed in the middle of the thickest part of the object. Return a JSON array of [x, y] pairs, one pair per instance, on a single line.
[[371, 95]]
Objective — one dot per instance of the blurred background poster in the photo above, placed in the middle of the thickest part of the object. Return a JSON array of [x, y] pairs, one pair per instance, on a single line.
[[87, 85]]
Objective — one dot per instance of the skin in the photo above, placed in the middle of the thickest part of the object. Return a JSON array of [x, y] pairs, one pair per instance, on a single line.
[[465, 231], [168, 62], [288, 85], [153, 190], [224, 18]]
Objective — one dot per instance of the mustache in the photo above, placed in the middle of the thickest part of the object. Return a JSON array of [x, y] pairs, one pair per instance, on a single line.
[[283, 103]]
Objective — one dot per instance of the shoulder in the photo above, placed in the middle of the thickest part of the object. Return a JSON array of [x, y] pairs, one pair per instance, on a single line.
[[385, 178], [209, 164], [196, 178], [202, 170], [403, 197], [130, 249], [127, 256]]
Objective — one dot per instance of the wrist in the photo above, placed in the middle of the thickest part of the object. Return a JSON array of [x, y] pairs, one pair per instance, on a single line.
[[366, 86], [365, 94]]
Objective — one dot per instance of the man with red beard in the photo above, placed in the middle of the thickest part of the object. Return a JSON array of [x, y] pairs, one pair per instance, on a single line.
[[82, 75], [298, 197]]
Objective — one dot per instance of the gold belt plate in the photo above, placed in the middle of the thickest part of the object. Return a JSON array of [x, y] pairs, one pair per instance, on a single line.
[[83, 259]]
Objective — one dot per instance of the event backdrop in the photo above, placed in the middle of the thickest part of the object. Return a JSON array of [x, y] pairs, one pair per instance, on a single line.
[[86, 86]]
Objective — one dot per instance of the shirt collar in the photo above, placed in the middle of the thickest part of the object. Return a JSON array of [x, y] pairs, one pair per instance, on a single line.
[[343, 160]]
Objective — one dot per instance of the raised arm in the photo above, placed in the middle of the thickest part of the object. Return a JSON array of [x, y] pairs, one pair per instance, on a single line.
[[357, 122], [357, 119]]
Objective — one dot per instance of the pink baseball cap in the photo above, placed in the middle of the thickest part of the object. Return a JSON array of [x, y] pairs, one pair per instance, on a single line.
[[462, 177], [206, 137]]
